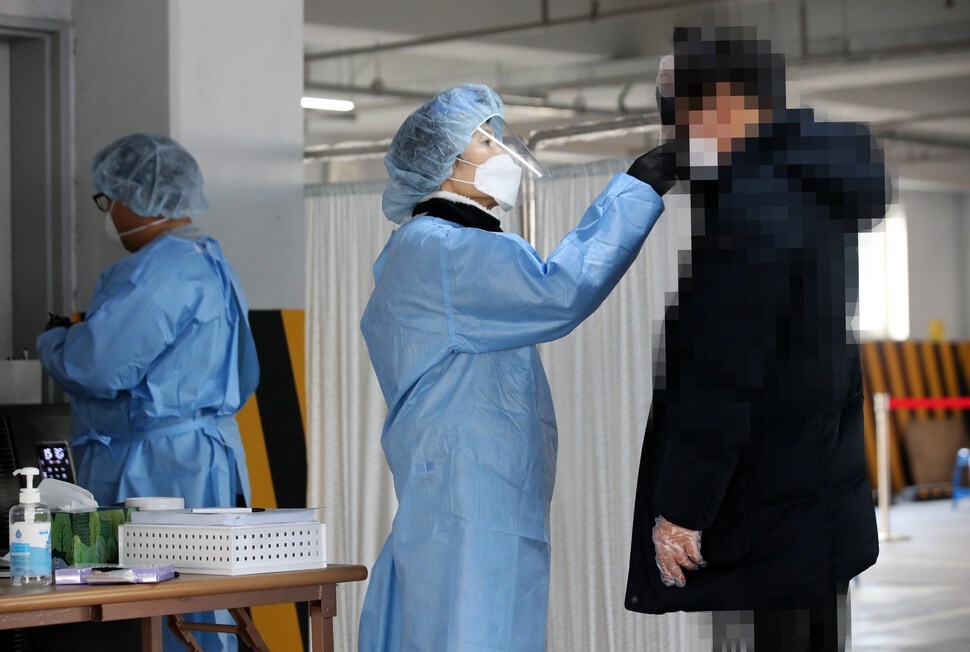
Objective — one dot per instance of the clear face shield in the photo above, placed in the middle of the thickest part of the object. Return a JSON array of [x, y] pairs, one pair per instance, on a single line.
[[504, 137], [500, 158]]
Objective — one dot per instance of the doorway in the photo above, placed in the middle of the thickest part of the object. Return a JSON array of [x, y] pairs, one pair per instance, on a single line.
[[36, 197]]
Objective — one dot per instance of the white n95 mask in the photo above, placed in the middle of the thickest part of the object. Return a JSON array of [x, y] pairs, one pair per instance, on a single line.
[[499, 178], [703, 152]]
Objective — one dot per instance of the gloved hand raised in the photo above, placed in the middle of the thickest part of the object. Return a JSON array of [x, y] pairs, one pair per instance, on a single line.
[[57, 321], [677, 548], [656, 168]]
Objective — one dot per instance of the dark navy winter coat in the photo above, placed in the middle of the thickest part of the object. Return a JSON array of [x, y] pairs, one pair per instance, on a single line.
[[755, 435]]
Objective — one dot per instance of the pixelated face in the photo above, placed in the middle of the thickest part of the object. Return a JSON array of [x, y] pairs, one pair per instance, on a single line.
[[723, 113]]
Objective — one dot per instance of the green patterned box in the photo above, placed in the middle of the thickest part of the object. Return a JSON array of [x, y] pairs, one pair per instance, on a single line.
[[88, 537]]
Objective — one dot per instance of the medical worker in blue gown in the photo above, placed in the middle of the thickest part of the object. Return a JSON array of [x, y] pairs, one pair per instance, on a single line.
[[452, 326], [164, 358]]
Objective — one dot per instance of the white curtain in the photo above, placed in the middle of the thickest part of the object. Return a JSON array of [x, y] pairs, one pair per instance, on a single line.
[[601, 378], [347, 474]]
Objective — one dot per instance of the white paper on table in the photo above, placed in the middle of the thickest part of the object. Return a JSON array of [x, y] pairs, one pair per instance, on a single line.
[[229, 517]]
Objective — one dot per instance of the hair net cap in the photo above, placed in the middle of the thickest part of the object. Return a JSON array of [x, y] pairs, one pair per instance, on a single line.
[[152, 174], [425, 147]]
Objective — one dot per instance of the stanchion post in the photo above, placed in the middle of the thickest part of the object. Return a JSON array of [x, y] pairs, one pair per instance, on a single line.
[[881, 405]]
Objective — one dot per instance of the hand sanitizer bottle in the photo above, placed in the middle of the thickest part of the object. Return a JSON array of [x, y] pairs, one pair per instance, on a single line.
[[30, 535]]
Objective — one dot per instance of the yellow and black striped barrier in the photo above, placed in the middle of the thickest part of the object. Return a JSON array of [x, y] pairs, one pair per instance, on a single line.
[[273, 427], [916, 369]]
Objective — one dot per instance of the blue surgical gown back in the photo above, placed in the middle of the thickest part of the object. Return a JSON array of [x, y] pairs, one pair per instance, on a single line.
[[157, 370], [470, 436]]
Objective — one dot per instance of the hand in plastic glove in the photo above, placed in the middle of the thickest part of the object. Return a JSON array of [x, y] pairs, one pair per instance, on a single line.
[[677, 548], [57, 321], [656, 168]]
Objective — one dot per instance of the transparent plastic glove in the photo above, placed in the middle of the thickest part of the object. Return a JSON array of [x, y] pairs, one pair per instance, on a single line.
[[677, 549]]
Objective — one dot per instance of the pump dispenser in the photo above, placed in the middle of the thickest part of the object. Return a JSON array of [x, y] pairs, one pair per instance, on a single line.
[[30, 535]]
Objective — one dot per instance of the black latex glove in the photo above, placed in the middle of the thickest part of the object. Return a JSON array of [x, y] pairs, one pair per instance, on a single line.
[[656, 168], [57, 321]]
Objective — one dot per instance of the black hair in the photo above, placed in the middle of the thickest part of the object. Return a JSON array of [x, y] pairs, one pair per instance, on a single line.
[[703, 57]]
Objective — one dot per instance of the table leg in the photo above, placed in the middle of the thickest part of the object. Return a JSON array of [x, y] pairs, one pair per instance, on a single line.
[[322, 613], [151, 634], [246, 630], [184, 634]]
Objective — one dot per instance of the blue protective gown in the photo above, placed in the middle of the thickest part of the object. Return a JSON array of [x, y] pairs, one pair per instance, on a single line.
[[470, 435], [157, 370]]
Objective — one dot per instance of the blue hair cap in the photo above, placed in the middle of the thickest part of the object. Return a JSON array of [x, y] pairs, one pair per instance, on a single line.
[[424, 149], [152, 174]]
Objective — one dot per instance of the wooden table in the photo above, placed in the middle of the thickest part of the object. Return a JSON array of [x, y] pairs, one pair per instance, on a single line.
[[52, 605]]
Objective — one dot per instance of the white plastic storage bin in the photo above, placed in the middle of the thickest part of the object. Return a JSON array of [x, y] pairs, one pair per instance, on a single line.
[[225, 550]]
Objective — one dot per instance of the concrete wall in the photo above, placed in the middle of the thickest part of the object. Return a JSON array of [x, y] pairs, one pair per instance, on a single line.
[[122, 86], [236, 69], [53, 9], [938, 272]]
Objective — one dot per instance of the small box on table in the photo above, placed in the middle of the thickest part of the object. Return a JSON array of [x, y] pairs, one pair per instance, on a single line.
[[86, 537]]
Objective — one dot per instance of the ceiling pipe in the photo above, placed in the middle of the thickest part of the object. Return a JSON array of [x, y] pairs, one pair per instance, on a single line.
[[353, 150], [509, 99], [593, 130], [537, 139], [948, 141], [546, 22], [374, 90], [621, 100], [806, 59], [859, 57], [929, 116], [648, 76]]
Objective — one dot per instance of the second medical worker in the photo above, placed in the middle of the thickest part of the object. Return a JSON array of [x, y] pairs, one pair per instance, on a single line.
[[452, 326], [164, 358]]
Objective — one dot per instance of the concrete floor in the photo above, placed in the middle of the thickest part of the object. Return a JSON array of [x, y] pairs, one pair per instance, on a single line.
[[917, 596]]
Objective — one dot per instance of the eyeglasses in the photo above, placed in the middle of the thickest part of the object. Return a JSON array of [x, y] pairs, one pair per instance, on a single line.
[[102, 201]]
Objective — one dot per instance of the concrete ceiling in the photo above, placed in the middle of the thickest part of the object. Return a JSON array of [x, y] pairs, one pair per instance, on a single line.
[[899, 65]]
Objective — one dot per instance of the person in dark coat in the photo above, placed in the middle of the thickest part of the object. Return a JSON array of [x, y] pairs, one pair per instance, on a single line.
[[752, 490]]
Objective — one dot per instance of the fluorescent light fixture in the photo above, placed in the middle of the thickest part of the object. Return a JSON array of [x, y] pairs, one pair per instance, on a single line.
[[324, 104]]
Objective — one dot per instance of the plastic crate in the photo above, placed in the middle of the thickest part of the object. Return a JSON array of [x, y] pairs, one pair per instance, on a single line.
[[225, 550]]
